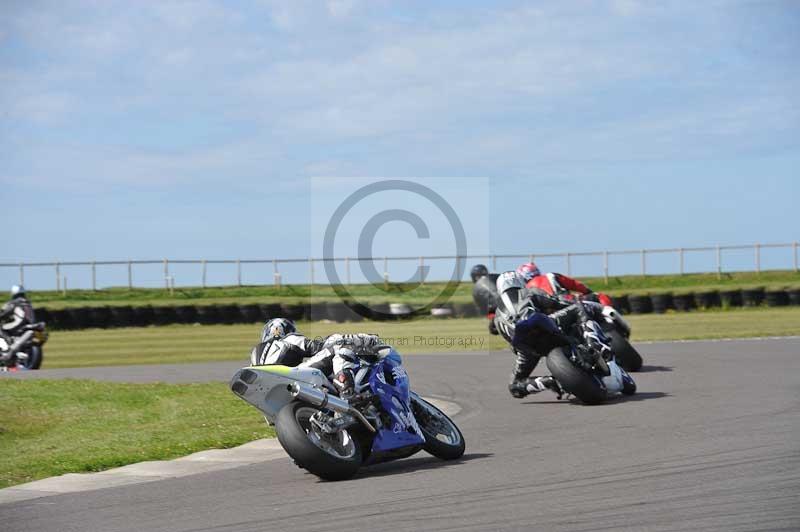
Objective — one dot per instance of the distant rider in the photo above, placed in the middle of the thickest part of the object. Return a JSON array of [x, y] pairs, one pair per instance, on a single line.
[[15, 314], [534, 324], [556, 284], [336, 355]]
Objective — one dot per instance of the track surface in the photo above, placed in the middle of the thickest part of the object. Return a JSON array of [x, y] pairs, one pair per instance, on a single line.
[[710, 443]]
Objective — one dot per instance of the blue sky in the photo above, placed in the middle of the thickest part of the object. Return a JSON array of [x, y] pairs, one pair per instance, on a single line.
[[193, 129]]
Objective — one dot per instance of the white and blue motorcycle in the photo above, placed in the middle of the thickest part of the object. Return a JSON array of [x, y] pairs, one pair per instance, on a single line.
[[332, 438]]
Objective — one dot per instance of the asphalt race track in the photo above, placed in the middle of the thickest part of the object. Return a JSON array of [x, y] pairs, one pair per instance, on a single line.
[[711, 442]]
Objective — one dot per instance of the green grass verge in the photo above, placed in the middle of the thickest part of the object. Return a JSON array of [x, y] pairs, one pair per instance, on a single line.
[[196, 343], [396, 292], [54, 427]]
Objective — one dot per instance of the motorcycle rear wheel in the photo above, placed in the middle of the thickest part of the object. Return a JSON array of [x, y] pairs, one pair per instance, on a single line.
[[330, 457], [588, 388], [34, 360], [443, 439]]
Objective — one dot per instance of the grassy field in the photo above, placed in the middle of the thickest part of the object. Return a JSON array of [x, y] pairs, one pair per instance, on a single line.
[[198, 343], [395, 292], [67, 426]]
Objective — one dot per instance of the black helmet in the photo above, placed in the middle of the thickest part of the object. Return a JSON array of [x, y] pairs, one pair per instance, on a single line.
[[478, 271]]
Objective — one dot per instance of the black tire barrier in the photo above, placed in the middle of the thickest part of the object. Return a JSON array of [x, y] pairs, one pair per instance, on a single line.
[[662, 303], [318, 312], [292, 312], [794, 296], [61, 320], [122, 317], [80, 317], [340, 312], [42, 314], [776, 298], [164, 315], [640, 304], [229, 314], [208, 314], [250, 313], [707, 299], [621, 303], [186, 314], [144, 316], [731, 298], [752, 297], [683, 302], [269, 311]]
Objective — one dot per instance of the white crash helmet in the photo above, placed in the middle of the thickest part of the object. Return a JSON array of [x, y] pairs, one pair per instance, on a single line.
[[17, 291], [277, 328]]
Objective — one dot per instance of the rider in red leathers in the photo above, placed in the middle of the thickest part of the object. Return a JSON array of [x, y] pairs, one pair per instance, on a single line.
[[556, 284]]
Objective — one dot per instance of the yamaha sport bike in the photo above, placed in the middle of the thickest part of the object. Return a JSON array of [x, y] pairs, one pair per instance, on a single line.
[[332, 437]]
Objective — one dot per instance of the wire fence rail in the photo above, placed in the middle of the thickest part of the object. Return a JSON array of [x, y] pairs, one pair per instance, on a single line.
[[604, 270]]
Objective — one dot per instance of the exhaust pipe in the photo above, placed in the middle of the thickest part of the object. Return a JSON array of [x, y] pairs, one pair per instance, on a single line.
[[16, 346], [321, 399]]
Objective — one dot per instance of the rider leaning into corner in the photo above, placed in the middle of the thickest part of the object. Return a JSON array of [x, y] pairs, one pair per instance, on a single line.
[[16, 313], [533, 324], [556, 284], [336, 355]]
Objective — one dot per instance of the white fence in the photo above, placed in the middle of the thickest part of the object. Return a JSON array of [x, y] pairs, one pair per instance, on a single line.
[[310, 271]]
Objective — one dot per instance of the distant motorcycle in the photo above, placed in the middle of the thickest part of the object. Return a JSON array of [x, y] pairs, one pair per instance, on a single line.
[[332, 437], [25, 349]]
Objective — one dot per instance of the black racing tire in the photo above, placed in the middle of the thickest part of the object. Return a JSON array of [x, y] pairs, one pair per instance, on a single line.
[[428, 416], [574, 380], [625, 354], [296, 441], [34, 358]]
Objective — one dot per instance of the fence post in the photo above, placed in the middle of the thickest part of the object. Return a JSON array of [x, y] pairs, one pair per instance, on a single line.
[[166, 273], [794, 245], [58, 277], [94, 276], [347, 269], [238, 272], [275, 275], [494, 263], [65, 286], [680, 254], [644, 263], [719, 262], [385, 273], [569, 264], [757, 249], [203, 273], [311, 270], [605, 266], [422, 270], [130, 275], [22, 274]]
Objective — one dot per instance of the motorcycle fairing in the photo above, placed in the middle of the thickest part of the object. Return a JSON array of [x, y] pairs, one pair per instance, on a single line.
[[389, 381], [265, 387]]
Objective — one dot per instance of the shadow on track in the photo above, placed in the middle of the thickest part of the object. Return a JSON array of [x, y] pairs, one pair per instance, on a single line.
[[421, 463], [574, 401], [653, 369]]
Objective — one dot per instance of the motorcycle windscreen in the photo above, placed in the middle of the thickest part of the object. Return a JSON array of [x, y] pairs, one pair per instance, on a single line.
[[389, 381]]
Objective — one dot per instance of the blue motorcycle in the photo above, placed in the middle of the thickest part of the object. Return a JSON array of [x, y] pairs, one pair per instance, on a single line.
[[332, 437]]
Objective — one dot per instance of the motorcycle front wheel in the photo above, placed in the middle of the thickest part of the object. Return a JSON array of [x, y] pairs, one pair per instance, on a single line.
[[586, 387], [443, 439], [625, 354], [328, 456]]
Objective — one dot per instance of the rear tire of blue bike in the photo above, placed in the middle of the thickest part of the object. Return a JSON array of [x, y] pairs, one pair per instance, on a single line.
[[574, 380]]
